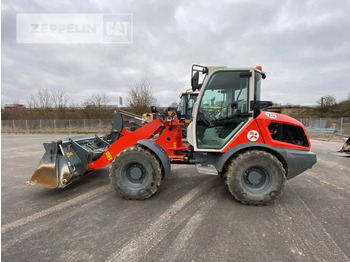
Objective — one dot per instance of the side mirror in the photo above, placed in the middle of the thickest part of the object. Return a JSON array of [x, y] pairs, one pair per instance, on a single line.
[[154, 109], [194, 81], [257, 105]]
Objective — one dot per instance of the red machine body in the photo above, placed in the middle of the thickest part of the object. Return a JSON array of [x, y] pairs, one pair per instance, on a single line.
[[263, 129]]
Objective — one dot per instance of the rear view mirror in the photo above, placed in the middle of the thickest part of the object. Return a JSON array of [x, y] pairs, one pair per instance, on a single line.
[[194, 81], [154, 109]]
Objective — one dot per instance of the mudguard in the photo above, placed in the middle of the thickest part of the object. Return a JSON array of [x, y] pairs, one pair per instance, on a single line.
[[159, 152], [295, 161]]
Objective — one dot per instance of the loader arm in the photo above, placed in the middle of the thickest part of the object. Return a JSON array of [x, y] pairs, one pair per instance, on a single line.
[[126, 140]]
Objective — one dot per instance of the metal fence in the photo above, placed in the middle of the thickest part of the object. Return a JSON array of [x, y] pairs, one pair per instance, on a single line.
[[324, 126], [321, 126], [56, 126]]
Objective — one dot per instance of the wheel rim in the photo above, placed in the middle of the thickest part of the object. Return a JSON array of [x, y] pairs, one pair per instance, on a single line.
[[256, 179], [134, 174]]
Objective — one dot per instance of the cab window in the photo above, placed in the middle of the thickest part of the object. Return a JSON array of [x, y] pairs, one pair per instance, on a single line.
[[224, 101]]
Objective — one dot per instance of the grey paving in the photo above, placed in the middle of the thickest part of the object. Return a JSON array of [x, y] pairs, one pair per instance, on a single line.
[[191, 218]]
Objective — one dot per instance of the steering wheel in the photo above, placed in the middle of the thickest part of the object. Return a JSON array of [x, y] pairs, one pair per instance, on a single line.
[[202, 118]]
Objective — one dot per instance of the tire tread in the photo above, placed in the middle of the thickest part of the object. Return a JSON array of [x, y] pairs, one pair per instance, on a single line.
[[117, 164], [231, 180]]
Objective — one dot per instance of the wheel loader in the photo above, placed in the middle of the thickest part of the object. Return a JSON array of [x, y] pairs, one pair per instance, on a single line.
[[183, 111], [254, 151]]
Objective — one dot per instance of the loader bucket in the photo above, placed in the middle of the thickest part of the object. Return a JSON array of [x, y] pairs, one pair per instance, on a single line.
[[344, 151], [64, 161], [53, 170], [346, 146]]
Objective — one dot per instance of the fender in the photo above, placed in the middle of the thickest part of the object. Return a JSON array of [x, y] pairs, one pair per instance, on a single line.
[[159, 152], [294, 161], [280, 153]]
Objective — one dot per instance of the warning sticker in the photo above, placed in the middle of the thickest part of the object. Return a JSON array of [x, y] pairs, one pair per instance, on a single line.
[[253, 135], [109, 156]]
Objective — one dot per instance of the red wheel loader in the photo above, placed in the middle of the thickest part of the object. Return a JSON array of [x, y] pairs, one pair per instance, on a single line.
[[255, 151]]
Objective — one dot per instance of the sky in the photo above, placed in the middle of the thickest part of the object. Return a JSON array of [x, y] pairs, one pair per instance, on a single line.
[[302, 45]]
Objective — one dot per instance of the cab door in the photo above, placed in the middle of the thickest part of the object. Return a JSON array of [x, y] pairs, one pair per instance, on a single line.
[[223, 108]]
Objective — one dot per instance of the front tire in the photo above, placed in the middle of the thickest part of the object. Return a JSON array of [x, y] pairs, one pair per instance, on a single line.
[[136, 173], [255, 177]]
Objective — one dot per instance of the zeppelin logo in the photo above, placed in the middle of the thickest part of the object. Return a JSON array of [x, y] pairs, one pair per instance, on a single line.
[[74, 28], [253, 135], [64, 28]]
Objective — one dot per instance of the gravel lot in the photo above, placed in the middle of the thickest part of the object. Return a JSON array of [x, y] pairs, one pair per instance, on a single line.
[[191, 218]]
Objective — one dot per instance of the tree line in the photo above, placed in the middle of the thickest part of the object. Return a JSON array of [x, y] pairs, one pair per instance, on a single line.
[[325, 107], [54, 104]]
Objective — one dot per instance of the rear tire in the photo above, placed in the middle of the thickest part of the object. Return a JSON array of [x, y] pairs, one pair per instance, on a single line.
[[255, 177], [136, 173]]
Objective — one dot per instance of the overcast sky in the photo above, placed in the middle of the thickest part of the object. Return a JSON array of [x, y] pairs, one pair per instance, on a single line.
[[304, 47]]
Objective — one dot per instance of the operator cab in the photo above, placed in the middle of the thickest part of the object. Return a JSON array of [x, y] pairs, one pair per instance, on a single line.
[[223, 106], [185, 107]]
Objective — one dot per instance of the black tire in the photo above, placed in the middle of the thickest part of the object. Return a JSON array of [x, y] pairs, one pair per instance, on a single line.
[[136, 173], [255, 177]]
